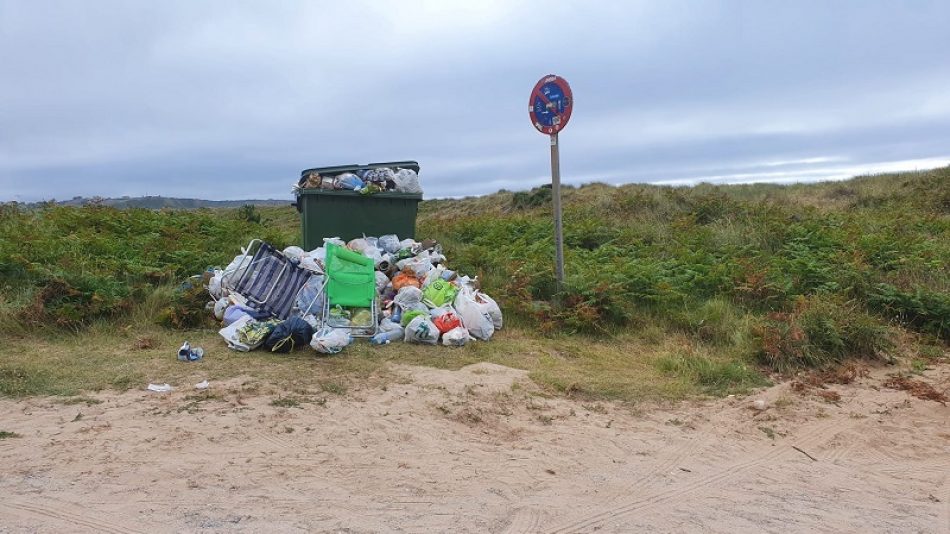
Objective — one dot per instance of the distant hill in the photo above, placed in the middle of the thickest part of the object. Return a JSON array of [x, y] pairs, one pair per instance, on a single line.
[[158, 202]]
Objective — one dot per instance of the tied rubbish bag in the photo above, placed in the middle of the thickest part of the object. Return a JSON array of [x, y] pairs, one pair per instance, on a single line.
[[407, 181], [455, 337], [490, 307], [439, 293], [409, 315], [380, 176], [418, 265], [408, 297], [220, 306], [477, 321], [389, 243], [230, 334], [381, 282], [289, 335], [294, 253], [445, 318], [404, 279], [421, 330], [331, 340]]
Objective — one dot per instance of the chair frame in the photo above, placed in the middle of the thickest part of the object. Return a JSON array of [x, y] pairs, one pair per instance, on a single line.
[[249, 271], [366, 331]]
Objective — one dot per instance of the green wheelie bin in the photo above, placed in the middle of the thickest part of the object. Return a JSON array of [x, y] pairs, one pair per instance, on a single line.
[[348, 214]]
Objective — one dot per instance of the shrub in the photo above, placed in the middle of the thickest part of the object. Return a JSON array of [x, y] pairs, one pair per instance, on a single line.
[[818, 333], [712, 206], [81, 264], [921, 309], [537, 197], [665, 252], [757, 288], [186, 309], [249, 213]]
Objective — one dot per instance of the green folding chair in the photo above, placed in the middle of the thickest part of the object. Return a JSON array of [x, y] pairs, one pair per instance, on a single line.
[[351, 283]]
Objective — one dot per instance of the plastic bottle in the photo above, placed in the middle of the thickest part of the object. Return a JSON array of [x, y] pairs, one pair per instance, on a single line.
[[383, 338]]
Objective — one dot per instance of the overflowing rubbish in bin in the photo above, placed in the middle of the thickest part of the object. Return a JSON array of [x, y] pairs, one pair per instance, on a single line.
[[366, 181], [381, 288]]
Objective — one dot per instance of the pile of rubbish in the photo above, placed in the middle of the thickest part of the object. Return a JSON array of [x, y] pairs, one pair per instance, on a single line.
[[364, 181], [416, 299]]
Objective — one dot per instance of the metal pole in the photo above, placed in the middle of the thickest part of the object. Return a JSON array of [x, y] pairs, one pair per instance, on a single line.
[[558, 233]]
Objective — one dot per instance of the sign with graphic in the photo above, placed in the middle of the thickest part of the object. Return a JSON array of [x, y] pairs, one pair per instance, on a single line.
[[550, 109], [550, 105]]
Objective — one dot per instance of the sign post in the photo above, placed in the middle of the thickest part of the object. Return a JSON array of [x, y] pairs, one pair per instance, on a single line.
[[550, 108], [558, 228]]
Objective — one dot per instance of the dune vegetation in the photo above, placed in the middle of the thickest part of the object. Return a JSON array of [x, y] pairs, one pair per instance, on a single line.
[[670, 291]]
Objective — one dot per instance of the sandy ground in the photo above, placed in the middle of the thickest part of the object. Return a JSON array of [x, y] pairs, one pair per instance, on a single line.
[[466, 451]]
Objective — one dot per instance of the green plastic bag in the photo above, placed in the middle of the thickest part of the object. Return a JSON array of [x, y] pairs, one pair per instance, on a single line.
[[439, 293], [410, 315]]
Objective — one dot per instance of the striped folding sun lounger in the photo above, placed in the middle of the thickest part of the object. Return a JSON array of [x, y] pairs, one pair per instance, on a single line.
[[271, 282]]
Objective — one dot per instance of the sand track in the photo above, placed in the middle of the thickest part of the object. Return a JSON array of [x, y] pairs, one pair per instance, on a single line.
[[464, 451]]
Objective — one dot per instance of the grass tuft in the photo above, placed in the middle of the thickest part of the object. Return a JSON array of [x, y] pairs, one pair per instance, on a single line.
[[286, 402], [714, 377], [336, 387]]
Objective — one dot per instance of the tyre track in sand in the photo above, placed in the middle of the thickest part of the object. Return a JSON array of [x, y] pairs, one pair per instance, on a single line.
[[689, 447], [526, 521], [946, 499], [686, 450], [71, 519], [808, 439], [836, 454]]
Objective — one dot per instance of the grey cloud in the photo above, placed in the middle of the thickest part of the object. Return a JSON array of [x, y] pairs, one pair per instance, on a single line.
[[232, 99]]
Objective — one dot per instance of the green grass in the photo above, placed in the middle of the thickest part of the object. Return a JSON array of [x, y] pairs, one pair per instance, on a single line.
[[714, 377], [7, 435], [670, 293], [618, 368]]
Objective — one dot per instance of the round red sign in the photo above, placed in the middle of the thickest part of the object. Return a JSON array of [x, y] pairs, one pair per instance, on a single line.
[[551, 104]]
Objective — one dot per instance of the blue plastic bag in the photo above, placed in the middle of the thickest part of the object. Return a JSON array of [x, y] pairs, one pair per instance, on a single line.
[[349, 181]]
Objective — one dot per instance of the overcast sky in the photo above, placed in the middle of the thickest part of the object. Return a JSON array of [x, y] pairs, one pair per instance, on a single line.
[[230, 100]]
